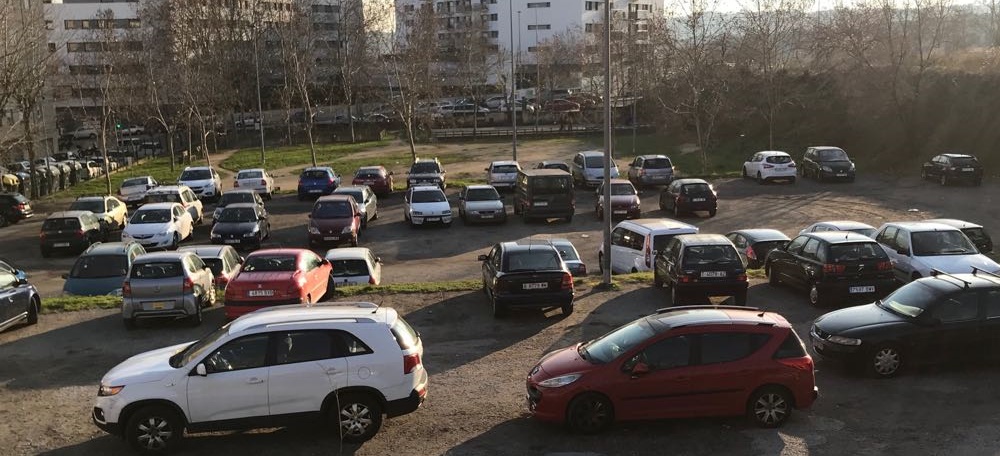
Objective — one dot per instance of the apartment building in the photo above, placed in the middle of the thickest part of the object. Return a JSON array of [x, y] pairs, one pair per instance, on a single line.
[[23, 39]]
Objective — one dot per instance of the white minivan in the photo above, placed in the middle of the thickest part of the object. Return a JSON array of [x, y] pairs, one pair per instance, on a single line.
[[635, 243]]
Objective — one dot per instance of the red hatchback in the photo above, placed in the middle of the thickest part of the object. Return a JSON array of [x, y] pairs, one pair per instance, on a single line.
[[275, 277], [375, 177], [681, 362]]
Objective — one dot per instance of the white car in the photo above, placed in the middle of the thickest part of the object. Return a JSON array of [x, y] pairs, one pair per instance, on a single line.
[[917, 249], [133, 130], [159, 225], [426, 204], [355, 266], [84, 133], [203, 181], [256, 179], [502, 174], [770, 165], [133, 190], [178, 194], [863, 229], [364, 199], [353, 361]]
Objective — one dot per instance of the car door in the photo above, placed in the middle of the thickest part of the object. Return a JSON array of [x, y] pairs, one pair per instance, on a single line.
[[308, 365], [10, 299], [724, 367], [619, 248], [807, 265], [655, 382], [741, 245], [952, 328], [491, 266], [782, 261], [375, 267], [904, 267], [315, 279], [235, 384], [633, 169], [370, 203], [887, 239]]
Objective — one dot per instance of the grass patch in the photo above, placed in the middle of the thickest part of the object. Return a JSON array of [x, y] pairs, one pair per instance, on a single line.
[[756, 274], [77, 303], [283, 157], [159, 168], [409, 288]]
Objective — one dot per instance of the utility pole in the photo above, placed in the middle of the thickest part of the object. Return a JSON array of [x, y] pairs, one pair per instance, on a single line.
[[538, 74], [260, 109], [513, 83], [631, 68], [606, 261]]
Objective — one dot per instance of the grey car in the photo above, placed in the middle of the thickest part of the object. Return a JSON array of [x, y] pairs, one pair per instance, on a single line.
[[167, 285], [588, 168], [364, 198], [650, 170], [481, 203]]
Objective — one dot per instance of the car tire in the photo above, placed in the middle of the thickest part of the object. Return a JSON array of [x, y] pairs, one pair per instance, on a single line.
[[590, 413], [600, 263], [815, 297], [760, 179], [498, 308], [944, 179], [359, 417], [712, 212], [772, 277], [884, 361], [568, 219], [212, 296], [660, 203], [677, 210], [923, 174], [675, 297], [154, 429], [196, 319], [177, 241], [267, 197], [3, 220], [599, 212], [745, 175], [331, 286], [354, 240], [657, 281], [34, 308], [741, 299], [567, 309], [769, 407]]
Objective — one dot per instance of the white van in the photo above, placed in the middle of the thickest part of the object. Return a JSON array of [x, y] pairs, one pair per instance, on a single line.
[[634, 243]]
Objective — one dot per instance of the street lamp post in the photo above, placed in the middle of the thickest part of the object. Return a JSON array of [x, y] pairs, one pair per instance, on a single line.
[[513, 83], [260, 110], [606, 260], [538, 74]]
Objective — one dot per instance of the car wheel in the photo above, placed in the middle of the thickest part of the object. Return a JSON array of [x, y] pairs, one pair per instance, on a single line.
[[814, 296], [196, 319], [46, 253], [657, 281], [675, 296], [360, 417], [760, 179], [331, 286], [769, 407], [599, 212], [885, 361], [712, 212], [33, 309], [677, 210], [745, 172], [499, 309], [590, 413], [212, 296], [600, 262], [177, 240], [567, 309], [923, 174], [944, 179], [154, 429], [3, 220], [772, 276], [354, 240], [660, 203]]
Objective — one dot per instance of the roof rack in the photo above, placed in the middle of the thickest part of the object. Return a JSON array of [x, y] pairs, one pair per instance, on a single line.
[[673, 309], [976, 271], [936, 272]]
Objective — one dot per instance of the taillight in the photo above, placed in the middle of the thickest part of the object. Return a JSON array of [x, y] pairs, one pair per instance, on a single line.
[[751, 254], [263, 182], [681, 199], [127, 290], [791, 165], [79, 233], [188, 284], [834, 268], [884, 266], [567, 282], [804, 363], [296, 287], [222, 281], [742, 277], [371, 280], [330, 181], [685, 279], [410, 363]]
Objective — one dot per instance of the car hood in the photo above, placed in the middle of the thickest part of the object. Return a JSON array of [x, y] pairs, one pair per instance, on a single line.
[[197, 183], [233, 227], [483, 205], [332, 223], [622, 200], [145, 367], [146, 228], [958, 263], [561, 362], [133, 190], [98, 286], [857, 317], [431, 207]]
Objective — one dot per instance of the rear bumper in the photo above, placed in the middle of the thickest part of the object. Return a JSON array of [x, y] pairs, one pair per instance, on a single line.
[[964, 176], [626, 212], [21, 215], [236, 308], [54, 244], [178, 308], [407, 405], [550, 299], [660, 179], [315, 190]]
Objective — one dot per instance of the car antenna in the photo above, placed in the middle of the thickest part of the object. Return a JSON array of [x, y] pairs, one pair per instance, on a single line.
[[377, 306], [936, 272]]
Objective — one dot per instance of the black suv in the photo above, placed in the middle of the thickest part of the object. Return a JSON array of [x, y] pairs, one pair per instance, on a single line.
[[689, 195], [14, 207], [950, 168], [526, 275], [70, 230], [426, 171], [698, 266], [828, 264], [827, 163]]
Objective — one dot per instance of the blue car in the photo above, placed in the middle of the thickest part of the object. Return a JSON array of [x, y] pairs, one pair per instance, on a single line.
[[19, 300], [317, 181], [101, 269]]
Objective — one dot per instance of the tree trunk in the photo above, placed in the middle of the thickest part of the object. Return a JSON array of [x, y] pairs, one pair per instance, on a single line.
[[204, 144], [170, 148], [104, 146], [350, 119], [30, 144]]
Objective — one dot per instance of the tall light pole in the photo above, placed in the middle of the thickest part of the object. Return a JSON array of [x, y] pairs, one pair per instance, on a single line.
[[606, 260], [260, 109], [538, 74], [513, 83]]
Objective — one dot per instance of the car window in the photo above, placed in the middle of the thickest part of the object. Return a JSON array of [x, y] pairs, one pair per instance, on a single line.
[[349, 268], [271, 264], [7, 280], [656, 163], [244, 353], [856, 251], [902, 240], [333, 210], [738, 240], [667, 353], [99, 266], [791, 348], [353, 346], [926, 243], [795, 246], [61, 224], [729, 346], [811, 249], [533, 260], [779, 159], [958, 307], [312, 261], [302, 346], [157, 270], [696, 255]]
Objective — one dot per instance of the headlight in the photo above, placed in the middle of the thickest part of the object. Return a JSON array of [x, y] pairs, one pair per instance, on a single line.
[[313, 230], [446, 212], [164, 233], [841, 340], [559, 381], [852, 166], [216, 235], [109, 390], [347, 230], [826, 168]]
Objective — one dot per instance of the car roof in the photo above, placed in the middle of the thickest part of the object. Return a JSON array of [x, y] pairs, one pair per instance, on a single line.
[[954, 155], [503, 162], [426, 188], [197, 168], [960, 224], [242, 190], [839, 237], [526, 245], [167, 188], [348, 253], [161, 256], [553, 162], [425, 160], [763, 234], [108, 248], [620, 181], [592, 153], [241, 205], [277, 252], [158, 206], [335, 197], [704, 239], [205, 250], [922, 226], [93, 198], [645, 157], [689, 181], [68, 214], [312, 314], [772, 152], [352, 188], [375, 167], [545, 172], [251, 169], [658, 224], [845, 224], [319, 168], [479, 187], [677, 317], [946, 282], [825, 147]]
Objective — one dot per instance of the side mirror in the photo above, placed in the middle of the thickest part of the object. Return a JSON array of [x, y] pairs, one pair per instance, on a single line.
[[241, 260], [903, 251], [65, 276], [378, 259], [482, 257], [201, 370], [639, 369]]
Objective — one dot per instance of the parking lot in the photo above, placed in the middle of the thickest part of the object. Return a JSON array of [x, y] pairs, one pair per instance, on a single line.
[[477, 364]]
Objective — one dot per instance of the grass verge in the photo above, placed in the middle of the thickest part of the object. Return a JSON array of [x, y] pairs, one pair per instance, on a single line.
[[409, 288], [77, 303], [283, 157]]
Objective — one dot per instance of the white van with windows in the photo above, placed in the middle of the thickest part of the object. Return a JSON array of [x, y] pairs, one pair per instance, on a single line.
[[635, 243]]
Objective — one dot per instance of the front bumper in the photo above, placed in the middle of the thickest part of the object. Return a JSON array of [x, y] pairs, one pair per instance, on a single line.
[[99, 416], [548, 404], [236, 241], [424, 219], [153, 242], [486, 216], [830, 350]]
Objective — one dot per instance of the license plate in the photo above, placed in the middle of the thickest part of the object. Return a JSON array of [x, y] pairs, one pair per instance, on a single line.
[[232, 241], [541, 203], [316, 191], [841, 174], [487, 216], [260, 293], [968, 169], [868, 289], [433, 219], [713, 274], [620, 212], [61, 244], [331, 238], [159, 305], [697, 200], [535, 286]]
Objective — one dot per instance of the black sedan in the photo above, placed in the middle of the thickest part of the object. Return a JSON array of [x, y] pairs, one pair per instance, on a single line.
[[526, 274], [756, 243], [689, 195], [930, 320], [243, 225]]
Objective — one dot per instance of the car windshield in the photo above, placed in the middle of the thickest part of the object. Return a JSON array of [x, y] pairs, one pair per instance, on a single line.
[[196, 349], [150, 216], [237, 215], [656, 163], [61, 224], [779, 159], [709, 254], [622, 189], [596, 161], [504, 169], [964, 161], [332, 210], [425, 168], [356, 194], [157, 270], [428, 196], [910, 300], [134, 182], [551, 185], [236, 197], [315, 174], [568, 253], [96, 207], [482, 194], [99, 266], [270, 264], [368, 174], [250, 175], [606, 348], [215, 264], [349, 268], [856, 251], [930, 243], [532, 260], [870, 232], [195, 174], [696, 189], [833, 155], [163, 198]]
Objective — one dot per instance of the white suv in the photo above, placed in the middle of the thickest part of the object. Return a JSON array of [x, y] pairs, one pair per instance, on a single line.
[[769, 165], [203, 181], [266, 369]]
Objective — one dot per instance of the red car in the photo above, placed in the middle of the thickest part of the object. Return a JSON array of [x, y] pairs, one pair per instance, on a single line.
[[690, 361], [375, 177], [274, 277], [334, 220]]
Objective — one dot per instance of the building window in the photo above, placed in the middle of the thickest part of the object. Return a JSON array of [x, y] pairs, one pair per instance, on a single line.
[[539, 5], [494, 34], [536, 48], [493, 17], [101, 24], [330, 8], [592, 6], [539, 26], [52, 47]]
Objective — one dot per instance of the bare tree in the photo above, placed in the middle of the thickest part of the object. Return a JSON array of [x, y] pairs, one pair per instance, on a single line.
[[358, 48], [472, 59], [298, 49]]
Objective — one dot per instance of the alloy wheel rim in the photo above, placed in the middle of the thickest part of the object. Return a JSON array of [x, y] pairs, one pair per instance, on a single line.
[[886, 361], [355, 419], [814, 295], [770, 408], [591, 415], [154, 433]]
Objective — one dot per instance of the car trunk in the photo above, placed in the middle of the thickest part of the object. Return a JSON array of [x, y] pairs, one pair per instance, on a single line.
[[264, 285], [157, 286], [657, 169], [59, 231], [531, 282], [857, 262]]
